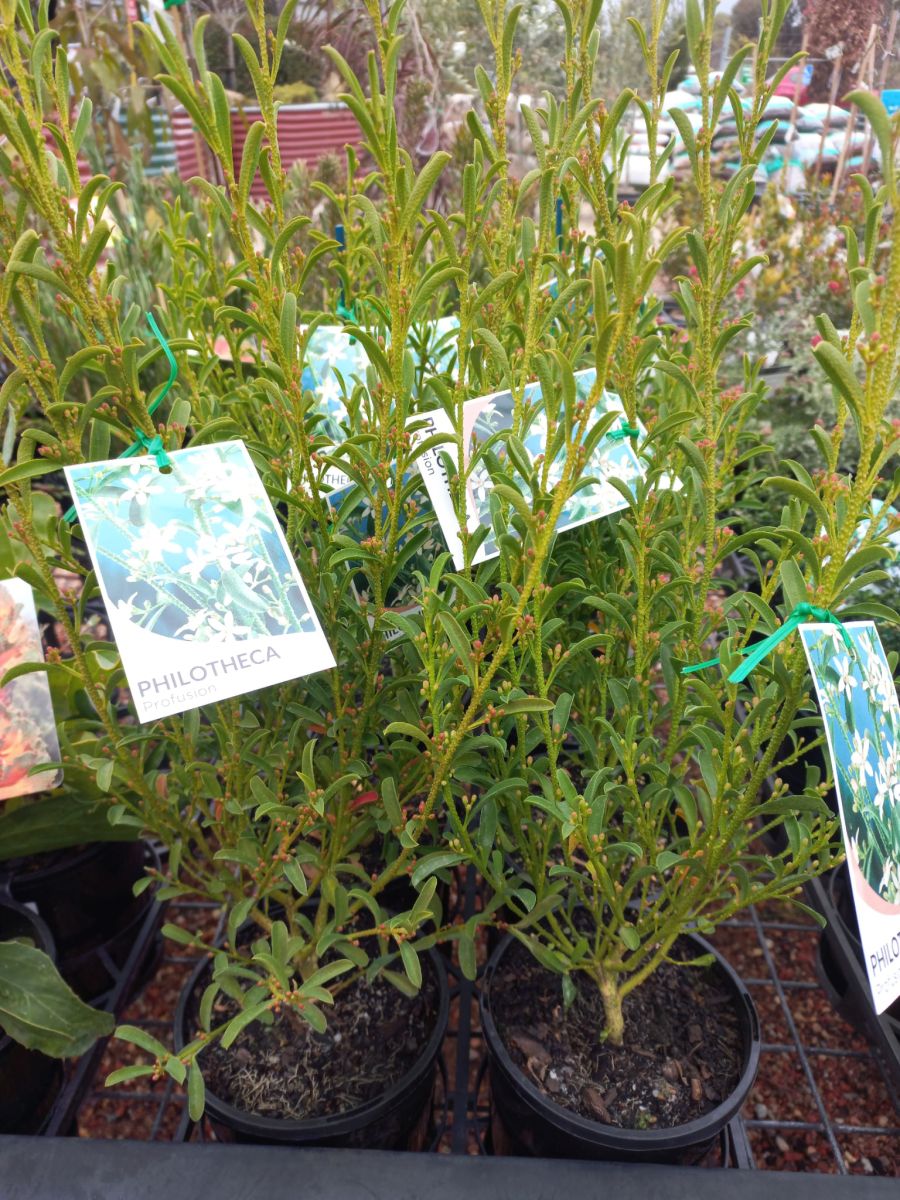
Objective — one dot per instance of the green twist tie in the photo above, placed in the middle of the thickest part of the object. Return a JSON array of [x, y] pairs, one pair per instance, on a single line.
[[624, 431], [152, 444], [345, 313], [802, 614], [173, 365]]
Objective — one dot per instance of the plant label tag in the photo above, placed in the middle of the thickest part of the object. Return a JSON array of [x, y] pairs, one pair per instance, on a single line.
[[336, 362], [203, 596], [486, 416], [27, 725], [862, 725]]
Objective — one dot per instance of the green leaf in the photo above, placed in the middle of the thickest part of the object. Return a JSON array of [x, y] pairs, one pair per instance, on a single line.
[[325, 974], [105, 774], [196, 1093], [39, 1010], [243, 1019], [125, 1073], [96, 244], [528, 704], [80, 359], [629, 936], [176, 1069], [315, 1017], [877, 116], [82, 122], [250, 159], [391, 801], [43, 274], [838, 370], [411, 964], [176, 934], [458, 639], [794, 584], [569, 992], [802, 492], [294, 875], [222, 116], [54, 822], [27, 470], [683, 126], [432, 863], [467, 961], [409, 730], [422, 189], [664, 860], [140, 1037], [288, 326], [291, 227]]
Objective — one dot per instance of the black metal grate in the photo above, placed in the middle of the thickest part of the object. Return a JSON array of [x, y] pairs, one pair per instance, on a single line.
[[828, 1138], [792, 1121]]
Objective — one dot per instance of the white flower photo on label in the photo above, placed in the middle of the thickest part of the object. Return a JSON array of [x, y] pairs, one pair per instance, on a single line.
[[204, 599], [862, 726]]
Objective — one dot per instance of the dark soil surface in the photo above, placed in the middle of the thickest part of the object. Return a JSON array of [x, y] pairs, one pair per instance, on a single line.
[[375, 1034], [777, 962], [682, 1053]]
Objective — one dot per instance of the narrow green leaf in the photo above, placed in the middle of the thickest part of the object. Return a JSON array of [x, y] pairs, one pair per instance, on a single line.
[[242, 1020], [196, 1093], [528, 704], [458, 639], [411, 964], [140, 1037]]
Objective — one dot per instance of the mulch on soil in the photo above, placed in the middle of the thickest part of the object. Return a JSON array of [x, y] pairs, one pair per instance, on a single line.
[[681, 1054], [374, 1036]]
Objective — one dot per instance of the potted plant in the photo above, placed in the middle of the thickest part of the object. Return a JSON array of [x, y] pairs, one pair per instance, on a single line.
[[620, 824], [58, 851], [41, 1020], [532, 717], [287, 807]]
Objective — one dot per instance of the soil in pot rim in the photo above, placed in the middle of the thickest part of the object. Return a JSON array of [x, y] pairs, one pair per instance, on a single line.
[[375, 1035], [683, 1053]]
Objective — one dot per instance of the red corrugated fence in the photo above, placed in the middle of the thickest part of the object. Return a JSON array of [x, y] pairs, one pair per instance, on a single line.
[[306, 132]]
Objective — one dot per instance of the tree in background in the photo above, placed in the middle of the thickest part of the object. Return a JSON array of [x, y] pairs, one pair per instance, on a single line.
[[833, 22], [621, 63], [315, 23], [745, 17], [455, 30]]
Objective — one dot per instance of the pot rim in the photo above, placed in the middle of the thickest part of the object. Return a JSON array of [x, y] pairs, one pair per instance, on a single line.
[[614, 1136], [288, 1128], [72, 858]]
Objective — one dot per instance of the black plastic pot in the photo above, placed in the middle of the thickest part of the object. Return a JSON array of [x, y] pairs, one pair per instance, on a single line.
[[29, 1081], [397, 1120], [533, 1124], [85, 897], [853, 1004]]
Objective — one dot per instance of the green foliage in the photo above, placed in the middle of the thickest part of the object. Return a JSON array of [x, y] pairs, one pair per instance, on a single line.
[[55, 822], [532, 717], [38, 1008]]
